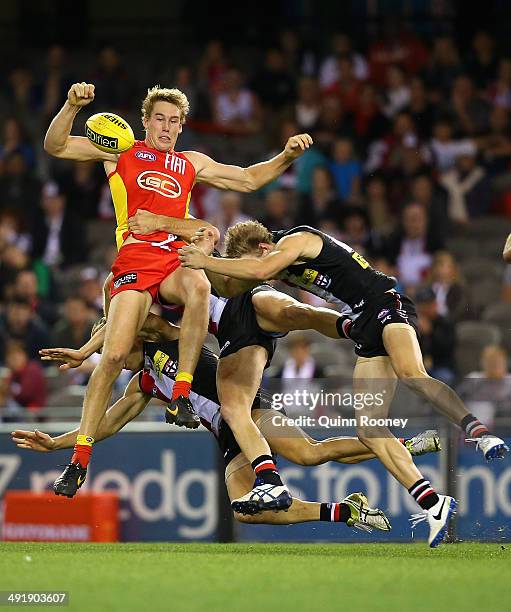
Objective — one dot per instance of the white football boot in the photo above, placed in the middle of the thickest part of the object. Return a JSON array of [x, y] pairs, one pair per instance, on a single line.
[[424, 442], [438, 518], [491, 446], [263, 497]]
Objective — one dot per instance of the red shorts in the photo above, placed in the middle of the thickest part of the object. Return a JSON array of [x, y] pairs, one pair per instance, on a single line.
[[143, 267]]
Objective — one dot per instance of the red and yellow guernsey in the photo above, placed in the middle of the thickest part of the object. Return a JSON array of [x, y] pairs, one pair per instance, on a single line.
[[149, 179]]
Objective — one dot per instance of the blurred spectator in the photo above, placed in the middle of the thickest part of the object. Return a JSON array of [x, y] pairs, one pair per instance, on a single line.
[[27, 382], [11, 231], [411, 245], [56, 80], [26, 288], [321, 203], [277, 210], [356, 231], [299, 60], [230, 213], [376, 203], [482, 65], [449, 288], [500, 90], [437, 337], [82, 188], [15, 140], [369, 122], [90, 289], [73, 329], [420, 109], [444, 66], [236, 107], [332, 123], [273, 83], [496, 146], [487, 393], [424, 191], [20, 323], [185, 81], [330, 70], [19, 188], [469, 193], [213, 66], [347, 88], [346, 170], [446, 149], [308, 104], [397, 91], [398, 47], [470, 112], [58, 233], [114, 89], [300, 363], [12, 260], [23, 95]]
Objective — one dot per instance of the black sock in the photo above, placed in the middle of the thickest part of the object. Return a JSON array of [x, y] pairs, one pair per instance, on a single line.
[[343, 325], [424, 494], [473, 427], [265, 469], [334, 512]]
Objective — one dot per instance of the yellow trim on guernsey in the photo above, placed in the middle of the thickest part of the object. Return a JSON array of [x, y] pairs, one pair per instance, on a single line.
[[187, 211], [120, 200]]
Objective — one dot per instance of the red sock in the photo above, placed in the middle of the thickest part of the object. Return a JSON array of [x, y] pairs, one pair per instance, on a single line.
[[83, 450], [82, 454], [183, 385]]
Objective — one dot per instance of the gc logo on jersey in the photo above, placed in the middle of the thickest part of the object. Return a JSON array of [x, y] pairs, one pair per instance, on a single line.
[[145, 155], [160, 182]]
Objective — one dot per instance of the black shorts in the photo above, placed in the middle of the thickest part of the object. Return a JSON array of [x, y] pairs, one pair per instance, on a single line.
[[226, 440], [238, 326], [367, 329]]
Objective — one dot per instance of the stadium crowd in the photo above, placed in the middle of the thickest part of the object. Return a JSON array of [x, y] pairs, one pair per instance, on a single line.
[[411, 166]]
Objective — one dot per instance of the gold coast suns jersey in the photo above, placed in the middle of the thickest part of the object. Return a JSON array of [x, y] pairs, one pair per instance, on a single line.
[[152, 180]]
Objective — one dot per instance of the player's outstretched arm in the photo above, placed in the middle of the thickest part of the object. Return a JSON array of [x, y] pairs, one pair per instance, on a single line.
[[224, 176], [288, 250], [123, 411], [506, 253], [58, 140], [145, 222]]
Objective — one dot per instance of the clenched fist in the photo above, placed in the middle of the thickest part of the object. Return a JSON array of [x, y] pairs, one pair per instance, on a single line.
[[80, 94], [297, 145]]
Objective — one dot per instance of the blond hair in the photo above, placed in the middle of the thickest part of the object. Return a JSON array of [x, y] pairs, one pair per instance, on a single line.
[[164, 94], [245, 237]]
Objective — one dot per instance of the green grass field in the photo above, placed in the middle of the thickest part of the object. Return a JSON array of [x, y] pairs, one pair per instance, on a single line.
[[261, 577]]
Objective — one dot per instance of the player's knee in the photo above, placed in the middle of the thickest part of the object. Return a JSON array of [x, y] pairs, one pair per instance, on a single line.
[[232, 414], [409, 372], [113, 360], [199, 287]]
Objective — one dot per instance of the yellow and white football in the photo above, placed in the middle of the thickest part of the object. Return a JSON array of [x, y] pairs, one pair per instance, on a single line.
[[109, 132]]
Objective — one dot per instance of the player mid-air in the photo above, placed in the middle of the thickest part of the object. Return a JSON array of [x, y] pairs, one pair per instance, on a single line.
[[154, 177], [381, 322]]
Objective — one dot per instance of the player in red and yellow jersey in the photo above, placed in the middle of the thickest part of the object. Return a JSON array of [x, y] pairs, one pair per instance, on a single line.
[[152, 177]]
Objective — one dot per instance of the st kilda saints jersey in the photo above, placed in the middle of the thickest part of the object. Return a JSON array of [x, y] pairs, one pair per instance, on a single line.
[[338, 274]]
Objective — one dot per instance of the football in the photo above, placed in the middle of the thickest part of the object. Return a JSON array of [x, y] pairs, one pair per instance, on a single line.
[[109, 132]]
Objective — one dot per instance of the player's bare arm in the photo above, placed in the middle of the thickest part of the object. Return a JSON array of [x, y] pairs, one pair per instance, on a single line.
[[58, 140], [506, 253], [123, 411], [224, 176], [145, 222], [287, 251]]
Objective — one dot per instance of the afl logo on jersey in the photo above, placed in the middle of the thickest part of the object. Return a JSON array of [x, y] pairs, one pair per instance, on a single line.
[[145, 155], [160, 182]]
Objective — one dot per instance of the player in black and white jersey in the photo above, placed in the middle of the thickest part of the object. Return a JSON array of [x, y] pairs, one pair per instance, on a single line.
[[381, 322], [156, 379]]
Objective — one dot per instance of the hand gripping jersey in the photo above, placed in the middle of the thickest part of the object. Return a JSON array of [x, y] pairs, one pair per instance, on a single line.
[[147, 178], [338, 274]]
